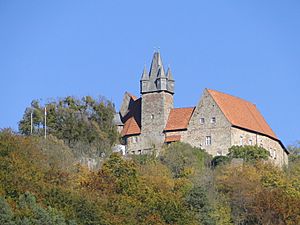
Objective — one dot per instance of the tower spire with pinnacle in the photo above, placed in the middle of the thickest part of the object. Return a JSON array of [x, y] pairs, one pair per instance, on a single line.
[[157, 79]]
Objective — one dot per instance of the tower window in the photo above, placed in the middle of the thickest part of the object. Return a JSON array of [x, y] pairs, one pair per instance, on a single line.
[[213, 120], [201, 120], [208, 140]]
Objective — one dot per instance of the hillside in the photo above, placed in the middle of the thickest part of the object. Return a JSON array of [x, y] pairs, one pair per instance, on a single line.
[[43, 182], [179, 187]]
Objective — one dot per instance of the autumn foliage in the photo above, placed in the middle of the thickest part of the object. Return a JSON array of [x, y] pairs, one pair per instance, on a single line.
[[177, 187]]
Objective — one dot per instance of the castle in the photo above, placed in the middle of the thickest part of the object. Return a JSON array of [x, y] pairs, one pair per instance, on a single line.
[[218, 122]]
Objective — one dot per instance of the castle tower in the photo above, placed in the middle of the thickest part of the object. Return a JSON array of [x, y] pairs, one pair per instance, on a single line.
[[157, 89]]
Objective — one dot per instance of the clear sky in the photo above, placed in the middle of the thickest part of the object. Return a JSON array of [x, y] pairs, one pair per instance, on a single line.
[[250, 49]]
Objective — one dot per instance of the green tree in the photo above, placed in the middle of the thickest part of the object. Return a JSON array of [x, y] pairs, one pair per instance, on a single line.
[[220, 160], [185, 160], [248, 153], [6, 214], [294, 150], [198, 202], [85, 125]]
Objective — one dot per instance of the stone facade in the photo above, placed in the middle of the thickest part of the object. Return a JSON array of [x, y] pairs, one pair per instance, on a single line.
[[218, 122], [242, 137], [208, 122], [156, 107]]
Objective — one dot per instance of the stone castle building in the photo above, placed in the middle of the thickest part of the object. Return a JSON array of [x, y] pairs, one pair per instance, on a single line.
[[218, 122]]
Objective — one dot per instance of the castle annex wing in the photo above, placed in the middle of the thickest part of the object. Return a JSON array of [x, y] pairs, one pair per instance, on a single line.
[[241, 113], [131, 115]]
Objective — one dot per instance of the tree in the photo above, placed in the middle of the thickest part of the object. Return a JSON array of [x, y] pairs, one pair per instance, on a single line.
[[6, 214], [220, 160], [85, 125], [184, 160], [248, 153], [294, 151], [198, 202]]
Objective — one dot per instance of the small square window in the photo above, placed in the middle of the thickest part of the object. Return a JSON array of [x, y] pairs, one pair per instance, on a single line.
[[134, 139], [213, 120], [208, 140], [202, 120], [250, 141]]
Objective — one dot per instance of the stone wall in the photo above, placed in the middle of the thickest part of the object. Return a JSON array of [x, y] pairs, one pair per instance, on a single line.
[[243, 137], [218, 130], [155, 111], [134, 144]]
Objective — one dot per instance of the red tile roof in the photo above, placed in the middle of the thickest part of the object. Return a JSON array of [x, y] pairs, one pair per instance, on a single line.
[[132, 96], [242, 113], [179, 118], [173, 138], [130, 127], [132, 120]]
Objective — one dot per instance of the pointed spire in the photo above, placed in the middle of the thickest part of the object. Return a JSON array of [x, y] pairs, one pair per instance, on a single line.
[[159, 61], [145, 75], [156, 65], [169, 74], [161, 72]]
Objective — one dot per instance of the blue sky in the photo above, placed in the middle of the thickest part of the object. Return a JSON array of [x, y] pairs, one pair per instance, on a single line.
[[250, 49]]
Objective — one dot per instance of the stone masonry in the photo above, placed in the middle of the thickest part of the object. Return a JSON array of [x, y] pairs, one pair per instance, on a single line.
[[218, 122]]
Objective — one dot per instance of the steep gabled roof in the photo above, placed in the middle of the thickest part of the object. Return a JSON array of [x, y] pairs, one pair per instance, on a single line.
[[179, 118], [132, 120], [241, 113], [130, 127]]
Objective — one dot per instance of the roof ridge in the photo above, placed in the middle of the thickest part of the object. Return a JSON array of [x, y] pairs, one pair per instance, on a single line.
[[131, 95], [232, 96]]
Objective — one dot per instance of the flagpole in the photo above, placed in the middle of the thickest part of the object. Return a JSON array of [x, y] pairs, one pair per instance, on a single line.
[[45, 122], [31, 122]]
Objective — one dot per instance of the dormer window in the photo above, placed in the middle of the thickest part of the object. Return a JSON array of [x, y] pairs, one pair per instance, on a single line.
[[202, 120]]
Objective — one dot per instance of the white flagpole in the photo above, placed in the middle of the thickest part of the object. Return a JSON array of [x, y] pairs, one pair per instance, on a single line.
[[31, 122], [45, 122]]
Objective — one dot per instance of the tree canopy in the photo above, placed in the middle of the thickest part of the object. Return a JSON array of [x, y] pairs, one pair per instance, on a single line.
[[85, 125]]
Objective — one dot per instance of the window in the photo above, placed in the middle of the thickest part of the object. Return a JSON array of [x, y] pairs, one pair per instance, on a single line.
[[250, 141], [213, 120], [271, 152], [208, 140], [274, 154], [152, 116], [241, 140], [202, 120], [135, 139]]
